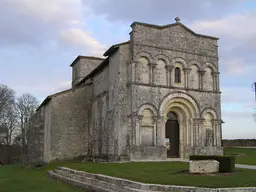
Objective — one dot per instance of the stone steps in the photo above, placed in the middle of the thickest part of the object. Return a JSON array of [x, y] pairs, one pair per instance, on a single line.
[[102, 183], [92, 182]]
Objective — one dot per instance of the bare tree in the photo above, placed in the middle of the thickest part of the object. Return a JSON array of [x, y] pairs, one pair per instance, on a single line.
[[8, 124], [7, 119], [7, 97], [26, 107]]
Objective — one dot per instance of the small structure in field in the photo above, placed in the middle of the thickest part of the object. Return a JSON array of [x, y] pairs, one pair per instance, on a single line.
[[204, 166]]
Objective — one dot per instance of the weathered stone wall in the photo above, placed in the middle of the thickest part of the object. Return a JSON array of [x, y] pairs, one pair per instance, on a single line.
[[36, 138], [110, 109], [70, 112], [122, 103], [100, 133], [83, 67], [161, 51], [174, 37]]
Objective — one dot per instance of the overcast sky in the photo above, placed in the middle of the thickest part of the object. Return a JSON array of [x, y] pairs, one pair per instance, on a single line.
[[40, 39]]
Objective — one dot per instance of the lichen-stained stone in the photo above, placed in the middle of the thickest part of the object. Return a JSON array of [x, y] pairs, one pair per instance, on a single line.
[[205, 166]]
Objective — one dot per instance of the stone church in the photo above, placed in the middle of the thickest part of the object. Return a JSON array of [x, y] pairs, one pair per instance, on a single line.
[[153, 97]]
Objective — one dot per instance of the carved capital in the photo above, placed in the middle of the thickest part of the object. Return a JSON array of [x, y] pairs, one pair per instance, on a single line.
[[140, 117], [132, 62], [201, 72], [186, 70], [153, 65], [163, 118], [215, 74], [198, 121], [169, 67]]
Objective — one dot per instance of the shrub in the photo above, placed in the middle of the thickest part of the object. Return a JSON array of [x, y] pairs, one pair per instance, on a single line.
[[227, 162]]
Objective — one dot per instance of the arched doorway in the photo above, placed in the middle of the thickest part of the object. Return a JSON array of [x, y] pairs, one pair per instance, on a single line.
[[172, 133]]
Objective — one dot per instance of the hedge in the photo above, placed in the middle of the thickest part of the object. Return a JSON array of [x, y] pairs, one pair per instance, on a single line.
[[227, 162]]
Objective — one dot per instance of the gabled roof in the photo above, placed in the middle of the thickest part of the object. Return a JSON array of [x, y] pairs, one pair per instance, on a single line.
[[95, 71], [171, 25], [84, 57], [114, 47], [49, 97]]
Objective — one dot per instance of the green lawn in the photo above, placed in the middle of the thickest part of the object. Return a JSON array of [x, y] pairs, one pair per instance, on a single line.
[[169, 173], [245, 155], [17, 178]]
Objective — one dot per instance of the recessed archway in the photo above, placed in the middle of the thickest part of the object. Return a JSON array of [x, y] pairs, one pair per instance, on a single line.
[[186, 109], [172, 133]]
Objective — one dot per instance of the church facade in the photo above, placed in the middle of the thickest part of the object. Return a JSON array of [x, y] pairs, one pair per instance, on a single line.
[[154, 97]]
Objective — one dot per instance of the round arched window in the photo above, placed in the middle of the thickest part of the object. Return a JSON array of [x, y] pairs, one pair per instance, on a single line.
[[177, 73]]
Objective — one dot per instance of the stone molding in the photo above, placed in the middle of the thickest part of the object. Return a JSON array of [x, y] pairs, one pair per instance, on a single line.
[[129, 83], [175, 50]]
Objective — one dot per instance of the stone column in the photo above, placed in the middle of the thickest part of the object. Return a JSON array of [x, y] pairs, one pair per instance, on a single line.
[[161, 130], [190, 132], [152, 67], [169, 69], [214, 132], [186, 73], [219, 134], [138, 126], [133, 124], [182, 138], [201, 135], [155, 130], [201, 78], [195, 132]]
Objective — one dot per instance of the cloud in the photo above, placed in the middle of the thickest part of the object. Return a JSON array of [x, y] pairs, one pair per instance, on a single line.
[[82, 39], [242, 95], [236, 114], [41, 24], [163, 11], [237, 40]]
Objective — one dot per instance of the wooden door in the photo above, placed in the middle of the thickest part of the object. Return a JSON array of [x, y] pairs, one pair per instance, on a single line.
[[172, 132]]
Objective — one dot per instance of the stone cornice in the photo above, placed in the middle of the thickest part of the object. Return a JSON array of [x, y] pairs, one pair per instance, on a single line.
[[175, 50], [170, 87]]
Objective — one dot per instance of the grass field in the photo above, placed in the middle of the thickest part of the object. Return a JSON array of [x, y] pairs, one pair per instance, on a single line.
[[169, 173], [244, 155], [15, 178]]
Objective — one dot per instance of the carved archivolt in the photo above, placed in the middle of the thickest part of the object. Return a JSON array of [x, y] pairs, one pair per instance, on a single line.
[[210, 111], [163, 57], [147, 106], [211, 66], [159, 70], [144, 54], [210, 128], [180, 97], [179, 60], [194, 62], [147, 125]]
